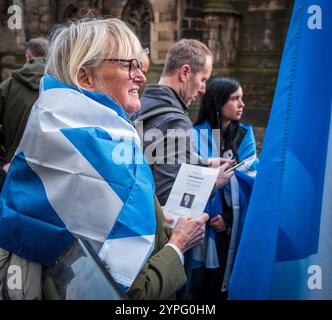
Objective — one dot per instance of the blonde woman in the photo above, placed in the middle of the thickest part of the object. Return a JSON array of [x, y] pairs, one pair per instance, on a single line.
[[79, 170]]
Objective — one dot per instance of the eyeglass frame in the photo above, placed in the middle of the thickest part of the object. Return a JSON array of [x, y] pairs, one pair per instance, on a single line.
[[130, 61]]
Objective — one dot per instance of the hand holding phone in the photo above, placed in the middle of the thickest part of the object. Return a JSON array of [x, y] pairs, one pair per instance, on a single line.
[[235, 166]]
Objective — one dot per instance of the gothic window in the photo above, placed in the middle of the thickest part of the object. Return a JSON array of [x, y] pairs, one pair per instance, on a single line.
[[138, 13]]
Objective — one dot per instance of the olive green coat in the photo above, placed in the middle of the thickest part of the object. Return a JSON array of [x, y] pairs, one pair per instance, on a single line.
[[163, 274], [17, 96]]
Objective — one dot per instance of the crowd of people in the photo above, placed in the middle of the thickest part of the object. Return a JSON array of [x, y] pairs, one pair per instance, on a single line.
[[63, 179]]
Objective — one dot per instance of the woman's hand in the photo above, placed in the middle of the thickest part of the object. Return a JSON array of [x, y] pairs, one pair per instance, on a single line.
[[223, 177], [217, 162], [218, 223], [189, 231]]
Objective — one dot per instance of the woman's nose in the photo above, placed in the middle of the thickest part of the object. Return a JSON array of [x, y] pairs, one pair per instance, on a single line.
[[139, 76]]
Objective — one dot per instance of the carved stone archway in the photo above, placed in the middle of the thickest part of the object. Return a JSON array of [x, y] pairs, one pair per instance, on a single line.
[[139, 14]]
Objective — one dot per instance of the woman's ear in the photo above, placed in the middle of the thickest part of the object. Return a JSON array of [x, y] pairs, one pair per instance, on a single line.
[[85, 79], [184, 72]]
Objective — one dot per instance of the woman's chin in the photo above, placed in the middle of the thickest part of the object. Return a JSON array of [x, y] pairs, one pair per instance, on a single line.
[[132, 109]]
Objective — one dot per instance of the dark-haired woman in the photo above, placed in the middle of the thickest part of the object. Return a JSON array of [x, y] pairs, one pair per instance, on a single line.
[[219, 132]]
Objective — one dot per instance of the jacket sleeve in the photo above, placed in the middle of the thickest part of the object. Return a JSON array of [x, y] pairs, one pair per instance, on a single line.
[[163, 274], [4, 89]]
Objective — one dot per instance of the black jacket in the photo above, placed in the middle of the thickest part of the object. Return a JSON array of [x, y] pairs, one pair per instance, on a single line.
[[155, 147]]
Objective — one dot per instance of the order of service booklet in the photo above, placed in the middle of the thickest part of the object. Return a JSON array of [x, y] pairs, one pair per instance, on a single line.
[[191, 191]]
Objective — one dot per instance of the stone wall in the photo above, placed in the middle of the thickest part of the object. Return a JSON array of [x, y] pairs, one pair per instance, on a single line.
[[263, 28], [246, 36], [11, 40], [192, 20], [37, 18], [164, 28]]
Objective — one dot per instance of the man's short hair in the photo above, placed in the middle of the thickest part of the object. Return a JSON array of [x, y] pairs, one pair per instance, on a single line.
[[186, 51], [38, 47]]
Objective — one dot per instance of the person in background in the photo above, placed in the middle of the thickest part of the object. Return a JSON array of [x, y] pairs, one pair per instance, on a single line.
[[75, 182], [145, 61], [187, 67], [165, 108], [17, 96], [224, 135]]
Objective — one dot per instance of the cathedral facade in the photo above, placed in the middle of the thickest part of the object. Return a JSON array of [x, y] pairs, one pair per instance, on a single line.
[[245, 36]]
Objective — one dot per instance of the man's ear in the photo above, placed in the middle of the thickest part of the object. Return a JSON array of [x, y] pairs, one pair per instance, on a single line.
[[184, 72], [85, 79], [28, 56]]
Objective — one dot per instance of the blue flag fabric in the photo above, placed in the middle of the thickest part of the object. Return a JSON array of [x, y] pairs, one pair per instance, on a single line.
[[286, 246], [238, 192], [79, 171]]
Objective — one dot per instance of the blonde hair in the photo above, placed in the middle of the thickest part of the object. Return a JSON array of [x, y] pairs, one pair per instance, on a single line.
[[87, 43]]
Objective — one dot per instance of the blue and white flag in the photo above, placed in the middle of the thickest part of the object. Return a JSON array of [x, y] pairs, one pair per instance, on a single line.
[[79, 171], [237, 193], [286, 246]]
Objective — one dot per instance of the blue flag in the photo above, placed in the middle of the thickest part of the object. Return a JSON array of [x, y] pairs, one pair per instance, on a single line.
[[286, 246]]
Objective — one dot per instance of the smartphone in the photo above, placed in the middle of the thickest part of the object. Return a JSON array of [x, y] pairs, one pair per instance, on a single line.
[[235, 166]]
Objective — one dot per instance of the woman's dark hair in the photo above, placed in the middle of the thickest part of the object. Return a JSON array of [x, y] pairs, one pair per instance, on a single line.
[[217, 93]]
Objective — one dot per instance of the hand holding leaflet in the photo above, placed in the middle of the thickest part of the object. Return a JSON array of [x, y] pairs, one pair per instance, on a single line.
[[191, 191]]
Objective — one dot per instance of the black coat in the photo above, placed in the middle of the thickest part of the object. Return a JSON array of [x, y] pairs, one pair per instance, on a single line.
[[156, 97]]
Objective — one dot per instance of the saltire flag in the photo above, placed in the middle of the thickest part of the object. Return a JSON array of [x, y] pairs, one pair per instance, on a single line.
[[238, 191], [286, 247], [79, 172]]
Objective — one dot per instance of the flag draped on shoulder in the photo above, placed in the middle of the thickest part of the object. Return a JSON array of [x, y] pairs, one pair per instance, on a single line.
[[79, 171], [237, 192], [286, 246]]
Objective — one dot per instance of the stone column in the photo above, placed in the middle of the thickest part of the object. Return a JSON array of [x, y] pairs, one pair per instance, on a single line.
[[221, 31]]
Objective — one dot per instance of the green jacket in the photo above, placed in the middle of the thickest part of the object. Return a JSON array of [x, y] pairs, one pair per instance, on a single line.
[[17, 96], [163, 274]]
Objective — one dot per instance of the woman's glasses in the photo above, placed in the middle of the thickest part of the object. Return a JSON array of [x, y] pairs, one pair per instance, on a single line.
[[131, 64]]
